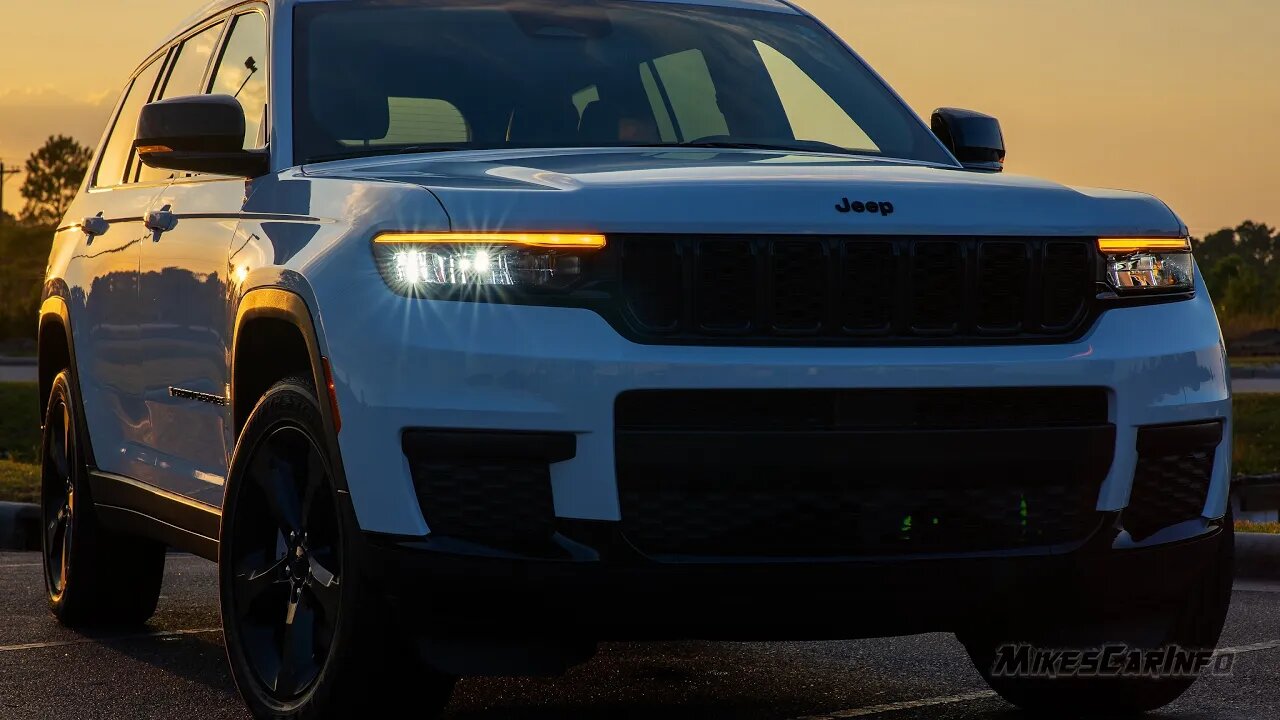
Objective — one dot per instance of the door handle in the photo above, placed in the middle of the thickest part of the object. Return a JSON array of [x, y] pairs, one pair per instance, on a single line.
[[94, 226], [161, 221]]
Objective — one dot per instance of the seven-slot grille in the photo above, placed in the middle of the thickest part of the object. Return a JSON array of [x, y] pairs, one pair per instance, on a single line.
[[927, 289]]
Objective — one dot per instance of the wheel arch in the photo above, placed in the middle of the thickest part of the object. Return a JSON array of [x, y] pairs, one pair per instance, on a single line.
[[56, 351], [54, 347], [274, 338]]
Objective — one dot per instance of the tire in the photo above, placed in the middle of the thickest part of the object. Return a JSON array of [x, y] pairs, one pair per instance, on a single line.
[[93, 577], [307, 637], [1193, 621]]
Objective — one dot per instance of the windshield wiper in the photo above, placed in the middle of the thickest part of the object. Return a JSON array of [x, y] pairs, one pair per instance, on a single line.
[[389, 150], [796, 146]]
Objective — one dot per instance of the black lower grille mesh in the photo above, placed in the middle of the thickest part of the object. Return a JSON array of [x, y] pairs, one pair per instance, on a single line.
[[1168, 489], [502, 504], [854, 472]]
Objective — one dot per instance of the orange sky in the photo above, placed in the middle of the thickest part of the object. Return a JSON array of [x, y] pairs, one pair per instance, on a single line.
[[1174, 97]]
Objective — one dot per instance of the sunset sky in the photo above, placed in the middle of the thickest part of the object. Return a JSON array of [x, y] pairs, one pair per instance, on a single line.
[[1179, 98]]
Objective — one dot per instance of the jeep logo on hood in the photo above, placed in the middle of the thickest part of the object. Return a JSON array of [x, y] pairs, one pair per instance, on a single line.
[[884, 209]]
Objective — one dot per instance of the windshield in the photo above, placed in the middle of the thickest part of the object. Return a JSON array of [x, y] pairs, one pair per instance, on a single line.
[[445, 74]]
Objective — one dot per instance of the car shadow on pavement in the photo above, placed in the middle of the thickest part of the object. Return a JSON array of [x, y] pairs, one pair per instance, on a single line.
[[198, 658]]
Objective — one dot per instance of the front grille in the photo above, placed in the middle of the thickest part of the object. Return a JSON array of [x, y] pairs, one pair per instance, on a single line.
[[844, 290], [860, 472], [1171, 481]]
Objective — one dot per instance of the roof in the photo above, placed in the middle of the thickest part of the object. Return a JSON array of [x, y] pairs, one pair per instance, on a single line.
[[213, 7]]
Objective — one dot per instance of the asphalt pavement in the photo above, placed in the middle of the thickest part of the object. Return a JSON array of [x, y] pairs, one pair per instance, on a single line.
[[175, 669]]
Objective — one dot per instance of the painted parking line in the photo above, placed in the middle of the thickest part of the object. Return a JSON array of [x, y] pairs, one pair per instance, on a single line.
[[115, 638], [1243, 649], [899, 706], [19, 565]]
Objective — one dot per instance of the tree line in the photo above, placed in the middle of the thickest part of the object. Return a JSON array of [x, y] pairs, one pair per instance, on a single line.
[[1241, 265]]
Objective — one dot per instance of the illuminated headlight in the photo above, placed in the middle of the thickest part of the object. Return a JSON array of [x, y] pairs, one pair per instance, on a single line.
[[1147, 265], [421, 262]]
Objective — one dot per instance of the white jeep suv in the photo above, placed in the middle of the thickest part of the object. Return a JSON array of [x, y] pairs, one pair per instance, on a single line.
[[464, 335]]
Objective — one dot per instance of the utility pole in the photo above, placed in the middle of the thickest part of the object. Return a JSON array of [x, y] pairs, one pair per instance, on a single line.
[[4, 177]]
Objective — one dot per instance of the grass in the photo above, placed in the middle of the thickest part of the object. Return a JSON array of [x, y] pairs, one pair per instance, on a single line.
[[1257, 434], [19, 482], [19, 442], [1270, 528], [19, 422], [1238, 326]]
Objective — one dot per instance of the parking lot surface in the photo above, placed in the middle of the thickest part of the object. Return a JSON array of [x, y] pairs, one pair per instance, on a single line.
[[175, 668]]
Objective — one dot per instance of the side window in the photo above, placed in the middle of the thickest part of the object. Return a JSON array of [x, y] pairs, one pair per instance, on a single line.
[[186, 77], [683, 96], [242, 72], [583, 98], [813, 114], [419, 121], [119, 145], [425, 121]]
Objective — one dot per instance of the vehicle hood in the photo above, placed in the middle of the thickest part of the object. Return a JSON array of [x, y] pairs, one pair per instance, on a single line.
[[739, 191]]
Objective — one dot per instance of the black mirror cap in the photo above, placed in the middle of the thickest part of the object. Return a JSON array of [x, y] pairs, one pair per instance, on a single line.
[[198, 133], [974, 138]]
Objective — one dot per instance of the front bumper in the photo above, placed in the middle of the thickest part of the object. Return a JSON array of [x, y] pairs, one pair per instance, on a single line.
[[474, 366], [448, 589]]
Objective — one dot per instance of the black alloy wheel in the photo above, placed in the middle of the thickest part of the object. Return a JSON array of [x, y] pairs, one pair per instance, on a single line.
[[309, 634], [93, 576], [58, 493], [287, 564]]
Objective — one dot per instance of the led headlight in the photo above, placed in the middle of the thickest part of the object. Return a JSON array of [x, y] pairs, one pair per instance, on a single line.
[[1147, 265], [422, 262]]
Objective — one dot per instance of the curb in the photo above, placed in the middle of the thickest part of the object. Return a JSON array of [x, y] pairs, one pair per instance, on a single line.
[[17, 362], [19, 526], [1257, 556]]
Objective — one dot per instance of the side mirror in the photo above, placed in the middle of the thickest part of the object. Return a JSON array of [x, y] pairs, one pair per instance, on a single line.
[[198, 133], [975, 139]]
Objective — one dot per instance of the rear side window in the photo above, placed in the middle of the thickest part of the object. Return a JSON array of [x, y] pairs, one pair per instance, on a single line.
[[424, 120], [683, 96], [813, 114], [242, 73], [119, 145]]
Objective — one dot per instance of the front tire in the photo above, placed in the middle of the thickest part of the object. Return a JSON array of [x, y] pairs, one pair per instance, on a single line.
[[93, 577], [306, 636], [1191, 621]]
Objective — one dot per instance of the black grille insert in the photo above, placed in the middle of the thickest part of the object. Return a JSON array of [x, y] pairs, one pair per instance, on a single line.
[[846, 290], [491, 488], [860, 472], [1171, 482]]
